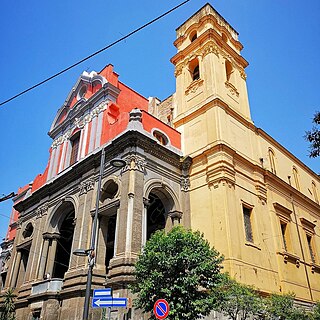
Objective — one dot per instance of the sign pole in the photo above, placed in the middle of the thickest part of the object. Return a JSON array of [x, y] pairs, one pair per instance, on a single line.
[[109, 316]]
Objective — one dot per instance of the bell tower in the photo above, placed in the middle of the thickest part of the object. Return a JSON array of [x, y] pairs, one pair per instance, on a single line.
[[209, 71]]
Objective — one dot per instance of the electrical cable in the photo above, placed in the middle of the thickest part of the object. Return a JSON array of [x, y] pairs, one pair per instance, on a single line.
[[93, 54]]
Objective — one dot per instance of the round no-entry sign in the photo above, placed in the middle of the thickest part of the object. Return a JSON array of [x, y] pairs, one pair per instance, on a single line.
[[161, 309]]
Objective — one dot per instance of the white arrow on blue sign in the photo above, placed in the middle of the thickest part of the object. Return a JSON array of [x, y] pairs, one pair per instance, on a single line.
[[109, 302]]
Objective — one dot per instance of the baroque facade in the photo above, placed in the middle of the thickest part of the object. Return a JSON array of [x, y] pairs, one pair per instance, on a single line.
[[259, 203]]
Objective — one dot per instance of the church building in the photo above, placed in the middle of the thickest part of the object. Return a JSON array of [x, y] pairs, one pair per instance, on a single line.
[[195, 159]]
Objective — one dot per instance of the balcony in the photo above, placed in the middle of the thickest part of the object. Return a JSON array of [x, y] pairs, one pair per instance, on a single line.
[[47, 286]]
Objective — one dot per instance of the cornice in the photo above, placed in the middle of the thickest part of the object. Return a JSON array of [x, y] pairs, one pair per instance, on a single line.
[[215, 102], [276, 183], [276, 144], [210, 35], [127, 140]]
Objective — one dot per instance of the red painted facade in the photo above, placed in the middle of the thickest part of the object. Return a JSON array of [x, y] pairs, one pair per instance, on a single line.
[[108, 124]]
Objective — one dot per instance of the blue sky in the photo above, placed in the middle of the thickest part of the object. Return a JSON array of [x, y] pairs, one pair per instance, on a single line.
[[38, 38]]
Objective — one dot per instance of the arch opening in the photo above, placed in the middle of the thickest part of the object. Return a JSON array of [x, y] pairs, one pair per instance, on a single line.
[[63, 241]]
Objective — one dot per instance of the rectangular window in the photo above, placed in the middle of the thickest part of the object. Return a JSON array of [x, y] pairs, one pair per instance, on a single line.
[[309, 240], [284, 235], [247, 223], [74, 150]]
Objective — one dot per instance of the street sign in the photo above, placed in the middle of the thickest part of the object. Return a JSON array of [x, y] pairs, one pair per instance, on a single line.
[[102, 292], [102, 298], [161, 309], [98, 302]]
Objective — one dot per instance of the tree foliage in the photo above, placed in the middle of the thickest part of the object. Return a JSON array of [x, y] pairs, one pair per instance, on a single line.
[[313, 136], [282, 307], [180, 267], [8, 308], [238, 301]]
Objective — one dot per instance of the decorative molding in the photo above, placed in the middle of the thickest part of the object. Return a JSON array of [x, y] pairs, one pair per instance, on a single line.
[[290, 257], [261, 193], [210, 47], [175, 215], [282, 212], [243, 75], [146, 202], [194, 86], [185, 183], [41, 211], [86, 186], [80, 122], [178, 69], [232, 88], [135, 162], [315, 268]]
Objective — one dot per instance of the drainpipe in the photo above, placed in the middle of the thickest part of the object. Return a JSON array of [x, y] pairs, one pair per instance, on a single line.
[[300, 241]]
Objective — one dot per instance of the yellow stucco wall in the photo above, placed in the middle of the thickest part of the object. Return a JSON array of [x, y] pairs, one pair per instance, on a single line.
[[232, 168]]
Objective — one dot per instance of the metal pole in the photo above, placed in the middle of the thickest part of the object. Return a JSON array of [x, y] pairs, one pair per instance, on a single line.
[[109, 313], [93, 242]]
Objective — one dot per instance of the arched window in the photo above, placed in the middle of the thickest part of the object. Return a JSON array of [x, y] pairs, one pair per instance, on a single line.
[[193, 36], [272, 161], [64, 243], [229, 70], [156, 219], [57, 243], [296, 178], [194, 69], [160, 137], [314, 191], [75, 140]]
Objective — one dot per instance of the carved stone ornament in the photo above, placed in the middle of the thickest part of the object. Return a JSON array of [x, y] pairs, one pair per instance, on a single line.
[[194, 86], [210, 47], [185, 183], [232, 88], [41, 211], [136, 163], [179, 69], [86, 186], [243, 74]]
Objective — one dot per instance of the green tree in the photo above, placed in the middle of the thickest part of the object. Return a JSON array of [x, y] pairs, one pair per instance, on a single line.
[[180, 267], [8, 308], [239, 301], [316, 311], [313, 136], [282, 307]]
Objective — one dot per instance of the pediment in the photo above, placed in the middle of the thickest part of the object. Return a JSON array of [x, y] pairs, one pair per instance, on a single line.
[[86, 85]]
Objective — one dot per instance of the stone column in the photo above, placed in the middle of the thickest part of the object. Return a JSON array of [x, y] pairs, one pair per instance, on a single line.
[[16, 270], [146, 204], [43, 258], [51, 255]]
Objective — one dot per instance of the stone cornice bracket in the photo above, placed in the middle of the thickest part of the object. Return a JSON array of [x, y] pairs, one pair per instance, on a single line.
[[135, 162], [41, 211], [175, 215], [48, 235], [186, 164], [86, 186]]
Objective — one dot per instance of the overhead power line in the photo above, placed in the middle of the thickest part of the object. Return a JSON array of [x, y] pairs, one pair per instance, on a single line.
[[93, 54], [9, 196]]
